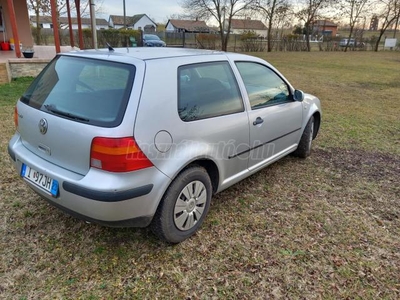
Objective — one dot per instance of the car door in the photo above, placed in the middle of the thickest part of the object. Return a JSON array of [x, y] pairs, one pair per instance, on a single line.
[[275, 117], [204, 116]]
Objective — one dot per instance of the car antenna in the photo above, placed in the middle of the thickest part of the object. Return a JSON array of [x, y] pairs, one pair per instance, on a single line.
[[111, 49]]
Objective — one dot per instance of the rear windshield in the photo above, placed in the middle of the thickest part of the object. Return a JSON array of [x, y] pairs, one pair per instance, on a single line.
[[90, 91]]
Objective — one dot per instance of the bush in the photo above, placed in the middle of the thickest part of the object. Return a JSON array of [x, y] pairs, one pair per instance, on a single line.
[[293, 42], [206, 41], [251, 42]]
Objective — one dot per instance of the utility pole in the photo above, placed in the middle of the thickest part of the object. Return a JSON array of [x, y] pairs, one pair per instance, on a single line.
[[94, 27], [124, 15]]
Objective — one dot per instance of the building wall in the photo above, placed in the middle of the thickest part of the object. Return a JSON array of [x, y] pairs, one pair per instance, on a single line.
[[85, 26], [140, 24], [26, 67], [23, 25], [45, 25], [170, 27], [122, 26], [328, 28], [333, 29], [144, 22]]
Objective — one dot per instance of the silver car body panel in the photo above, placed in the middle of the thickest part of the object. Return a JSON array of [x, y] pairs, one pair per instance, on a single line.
[[109, 211], [216, 138], [171, 144], [71, 149]]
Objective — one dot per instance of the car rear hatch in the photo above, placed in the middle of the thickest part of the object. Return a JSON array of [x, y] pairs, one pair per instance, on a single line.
[[74, 100]]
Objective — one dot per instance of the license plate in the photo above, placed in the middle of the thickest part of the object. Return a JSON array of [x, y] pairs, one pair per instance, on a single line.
[[43, 181]]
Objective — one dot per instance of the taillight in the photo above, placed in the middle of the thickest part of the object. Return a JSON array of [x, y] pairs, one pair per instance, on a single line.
[[16, 117], [117, 155]]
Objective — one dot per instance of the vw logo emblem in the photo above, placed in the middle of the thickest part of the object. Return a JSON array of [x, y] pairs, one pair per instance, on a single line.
[[43, 125]]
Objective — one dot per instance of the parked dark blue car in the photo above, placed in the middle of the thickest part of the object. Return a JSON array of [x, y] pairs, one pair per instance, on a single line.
[[151, 40]]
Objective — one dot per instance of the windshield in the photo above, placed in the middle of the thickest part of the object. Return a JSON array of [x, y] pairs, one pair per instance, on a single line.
[[151, 37], [85, 90]]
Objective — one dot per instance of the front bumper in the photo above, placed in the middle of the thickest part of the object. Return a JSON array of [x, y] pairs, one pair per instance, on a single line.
[[112, 199]]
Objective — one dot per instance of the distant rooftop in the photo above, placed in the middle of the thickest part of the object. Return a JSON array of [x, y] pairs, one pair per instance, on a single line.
[[248, 24], [190, 25], [64, 20]]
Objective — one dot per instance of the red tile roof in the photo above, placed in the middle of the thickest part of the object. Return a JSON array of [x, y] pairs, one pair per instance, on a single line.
[[64, 20], [190, 25], [247, 24], [130, 21]]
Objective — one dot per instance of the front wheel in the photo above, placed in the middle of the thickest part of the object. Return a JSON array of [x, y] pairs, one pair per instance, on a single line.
[[304, 148], [184, 206]]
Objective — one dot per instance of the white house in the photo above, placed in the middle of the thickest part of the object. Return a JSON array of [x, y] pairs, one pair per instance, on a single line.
[[239, 26], [46, 22], [142, 22]]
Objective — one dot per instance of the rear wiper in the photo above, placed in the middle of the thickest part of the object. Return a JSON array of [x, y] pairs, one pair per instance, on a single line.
[[52, 108]]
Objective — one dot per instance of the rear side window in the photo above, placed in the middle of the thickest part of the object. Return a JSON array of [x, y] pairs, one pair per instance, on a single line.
[[85, 90], [207, 90]]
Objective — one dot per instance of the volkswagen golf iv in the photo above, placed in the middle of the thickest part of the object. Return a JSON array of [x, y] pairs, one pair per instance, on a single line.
[[146, 136]]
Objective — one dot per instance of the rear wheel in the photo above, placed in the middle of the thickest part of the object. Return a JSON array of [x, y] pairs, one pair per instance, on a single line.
[[304, 148], [184, 206]]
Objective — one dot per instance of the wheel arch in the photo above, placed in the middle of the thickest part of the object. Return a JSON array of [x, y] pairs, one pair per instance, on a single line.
[[317, 123], [211, 169]]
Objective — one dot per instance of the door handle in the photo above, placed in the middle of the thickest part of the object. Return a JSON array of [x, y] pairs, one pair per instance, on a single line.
[[258, 121]]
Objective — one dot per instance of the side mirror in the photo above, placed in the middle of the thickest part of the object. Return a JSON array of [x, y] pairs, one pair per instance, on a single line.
[[298, 95]]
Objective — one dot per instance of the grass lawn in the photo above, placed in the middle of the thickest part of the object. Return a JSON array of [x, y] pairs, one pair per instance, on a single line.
[[327, 227]]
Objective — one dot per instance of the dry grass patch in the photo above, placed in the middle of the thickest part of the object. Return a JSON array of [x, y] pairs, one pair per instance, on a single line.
[[327, 227]]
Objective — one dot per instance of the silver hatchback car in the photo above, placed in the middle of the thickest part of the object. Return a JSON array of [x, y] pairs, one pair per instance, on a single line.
[[146, 136]]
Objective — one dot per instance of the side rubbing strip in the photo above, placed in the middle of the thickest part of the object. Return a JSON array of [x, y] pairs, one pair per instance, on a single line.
[[263, 144]]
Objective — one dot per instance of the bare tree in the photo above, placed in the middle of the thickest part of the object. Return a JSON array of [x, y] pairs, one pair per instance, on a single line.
[[354, 10], [62, 7], [272, 11], [40, 7], [282, 20], [308, 12], [221, 10], [390, 15]]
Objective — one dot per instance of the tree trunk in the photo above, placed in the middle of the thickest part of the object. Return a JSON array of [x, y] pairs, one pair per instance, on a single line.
[[270, 21], [225, 44], [38, 28], [308, 38], [269, 46], [348, 40], [379, 40], [226, 38], [222, 38]]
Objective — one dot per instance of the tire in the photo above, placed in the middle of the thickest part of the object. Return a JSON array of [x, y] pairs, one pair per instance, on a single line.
[[304, 148], [184, 206]]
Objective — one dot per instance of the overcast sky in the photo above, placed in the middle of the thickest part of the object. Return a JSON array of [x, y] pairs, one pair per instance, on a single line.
[[158, 10]]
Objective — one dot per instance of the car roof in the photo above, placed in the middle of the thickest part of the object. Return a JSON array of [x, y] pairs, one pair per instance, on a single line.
[[143, 53]]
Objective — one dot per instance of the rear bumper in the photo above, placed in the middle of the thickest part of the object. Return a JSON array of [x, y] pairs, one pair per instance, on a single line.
[[143, 221], [107, 196], [111, 199]]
